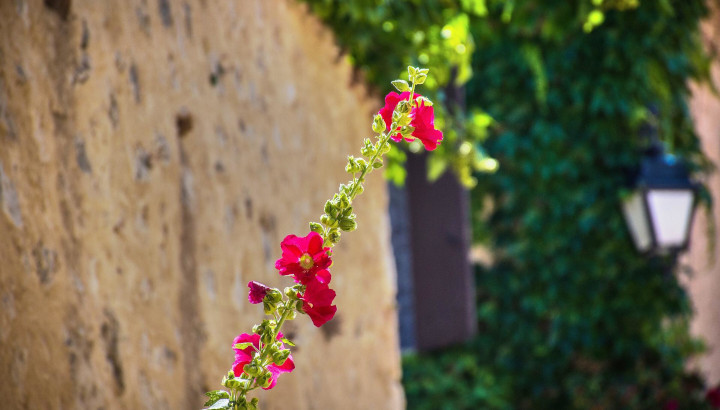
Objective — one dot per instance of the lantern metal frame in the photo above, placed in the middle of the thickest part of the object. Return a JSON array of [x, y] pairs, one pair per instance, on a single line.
[[659, 173]]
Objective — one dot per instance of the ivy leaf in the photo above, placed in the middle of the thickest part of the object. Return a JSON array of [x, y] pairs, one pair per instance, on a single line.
[[401, 85]]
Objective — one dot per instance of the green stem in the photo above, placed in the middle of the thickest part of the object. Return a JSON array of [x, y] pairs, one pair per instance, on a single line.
[[383, 140]]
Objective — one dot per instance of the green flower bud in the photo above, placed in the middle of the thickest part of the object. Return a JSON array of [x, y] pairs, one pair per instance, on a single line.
[[316, 227], [291, 315], [253, 405], [368, 148], [235, 384], [407, 131], [244, 384], [362, 164], [378, 163], [396, 117], [329, 207], [291, 293], [267, 337], [299, 307], [252, 369], [385, 149], [344, 202], [328, 221], [359, 190], [264, 380], [348, 225], [404, 120], [404, 107], [257, 329], [269, 308], [379, 124], [273, 296], [334, 236], [279, 357]]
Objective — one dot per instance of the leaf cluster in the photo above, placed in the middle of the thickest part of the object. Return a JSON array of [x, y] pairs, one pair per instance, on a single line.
[[570, 316]]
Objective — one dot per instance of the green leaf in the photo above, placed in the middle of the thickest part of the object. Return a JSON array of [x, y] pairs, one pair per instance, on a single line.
[[220, 404], [401, 85], [242, 346], [216, 395], [287, 341]]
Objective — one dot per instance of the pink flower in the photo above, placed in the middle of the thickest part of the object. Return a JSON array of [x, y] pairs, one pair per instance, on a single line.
[[423, 120], [424, 123], [317, 302], [244, 356], [305, 258], [713, 397], [257, 292]]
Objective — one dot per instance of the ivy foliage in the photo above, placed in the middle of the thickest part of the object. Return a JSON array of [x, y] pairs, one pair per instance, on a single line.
[[570, 315], [381, 37]]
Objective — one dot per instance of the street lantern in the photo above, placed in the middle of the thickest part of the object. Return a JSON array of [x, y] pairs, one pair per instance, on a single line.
[[660, 209]]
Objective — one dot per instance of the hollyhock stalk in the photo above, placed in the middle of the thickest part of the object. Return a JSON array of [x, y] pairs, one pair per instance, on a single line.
[[262, 355]]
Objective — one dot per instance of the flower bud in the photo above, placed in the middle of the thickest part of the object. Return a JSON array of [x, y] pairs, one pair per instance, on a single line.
[[316, 227], [252, 369], [348, 224], [344, 201], [352, 165], [379, 124], [253, 404], [279, 357], [267, 337], [273, 296], [269, 308], [329, 207], [328, 221], [264, 379], [291, 293], [334, 236], [362, 164], [257, 329], [404, 107]]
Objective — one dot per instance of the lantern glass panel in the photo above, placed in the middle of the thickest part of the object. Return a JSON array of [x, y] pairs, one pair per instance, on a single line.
[[670, 212], [636, 218]]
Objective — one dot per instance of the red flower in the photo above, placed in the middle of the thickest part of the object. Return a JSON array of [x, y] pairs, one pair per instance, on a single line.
[[713, 397], [317, 302], [305, 258], [257, 292], [424, 123], [244, 356], [423, 119]]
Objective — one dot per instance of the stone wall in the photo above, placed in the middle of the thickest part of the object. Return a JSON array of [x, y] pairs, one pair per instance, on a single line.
[[703, 257], [153, 154]]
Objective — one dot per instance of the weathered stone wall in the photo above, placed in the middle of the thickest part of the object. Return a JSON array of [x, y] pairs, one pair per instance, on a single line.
[[704, 254], [153, 154]]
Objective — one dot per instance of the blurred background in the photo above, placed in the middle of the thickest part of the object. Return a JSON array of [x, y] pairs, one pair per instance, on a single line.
[[154, 153]]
